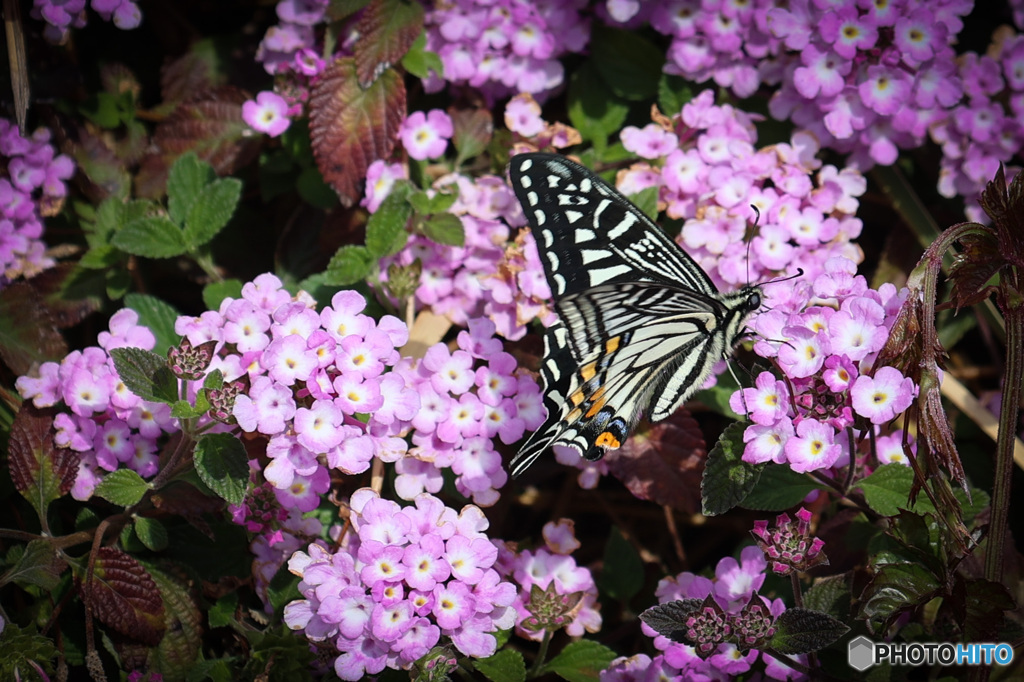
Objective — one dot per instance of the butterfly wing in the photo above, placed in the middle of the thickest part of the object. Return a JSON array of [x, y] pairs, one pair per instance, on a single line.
[[640, 323]]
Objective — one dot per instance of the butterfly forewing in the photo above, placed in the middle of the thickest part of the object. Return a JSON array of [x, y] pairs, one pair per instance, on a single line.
[[640, 323]]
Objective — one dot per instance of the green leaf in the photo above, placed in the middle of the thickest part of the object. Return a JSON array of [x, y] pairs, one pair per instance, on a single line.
[[887, 489], [425, 204], [623, 573], [647, 201], [505, 666], [894, 589], [183, 409], [159, 317], [830, 594], [223, 611], [580, 661], [38, 564], [349, 265], [385, 230], [727, 478], [420, 61], [778, 488], [101, 257], [151, 533], [145, 374], [673, 93], [446, 229], [313, 190], [629, 64], [222, 464], [801, 631], [151, 237], [186, 179], [215, 292], [593, 109], [212, 210], [123, 487]]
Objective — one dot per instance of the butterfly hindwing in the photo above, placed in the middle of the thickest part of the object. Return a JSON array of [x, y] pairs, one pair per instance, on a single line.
[[640, 323]]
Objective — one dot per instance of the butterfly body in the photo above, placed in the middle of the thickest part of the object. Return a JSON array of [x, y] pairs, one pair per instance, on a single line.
[[640, 323]]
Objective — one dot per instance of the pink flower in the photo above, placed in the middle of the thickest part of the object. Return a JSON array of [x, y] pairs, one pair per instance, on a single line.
[[268, 114], [425, 136]]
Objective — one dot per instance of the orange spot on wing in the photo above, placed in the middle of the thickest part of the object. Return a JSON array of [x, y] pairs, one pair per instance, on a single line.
[[597, 401], [607, 440]]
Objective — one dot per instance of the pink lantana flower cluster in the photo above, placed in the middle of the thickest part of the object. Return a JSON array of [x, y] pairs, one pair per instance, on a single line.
[[823, 336], [291, 46], [32, 187], [734, 584], [469, 397], [404, 579], [711, 173], [486, 277], [108, 425], [63, 15], [551, 569], [505, 47]]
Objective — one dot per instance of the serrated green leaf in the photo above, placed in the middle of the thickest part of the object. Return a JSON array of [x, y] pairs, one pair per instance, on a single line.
[[101, 257], [145, 374], [505, 666], [38, 564], [887, 489], [593, 109], [420, 61], [158, 316], [801, 631], [647, 201], [177, 651], [673, 93], [446, 229], [183, 409], [349, 265], [727, 478], [629, 64], [118, 282], [212, 210], [623, 573], [894, 589], [151, 533], [223, 611], [830, 594], [222, 464], [440, 202], [215, 292], [581, 661], [151, 237], [185, 181], [122, 487], [778, 488], [385, 230]]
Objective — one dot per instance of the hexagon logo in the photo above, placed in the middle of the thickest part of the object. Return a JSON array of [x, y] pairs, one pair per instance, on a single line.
[[861, 653]]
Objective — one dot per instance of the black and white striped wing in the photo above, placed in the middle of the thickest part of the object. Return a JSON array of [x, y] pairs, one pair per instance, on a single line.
[[640, 324]]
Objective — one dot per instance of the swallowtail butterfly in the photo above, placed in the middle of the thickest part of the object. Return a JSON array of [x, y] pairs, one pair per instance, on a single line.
[[640, 323]]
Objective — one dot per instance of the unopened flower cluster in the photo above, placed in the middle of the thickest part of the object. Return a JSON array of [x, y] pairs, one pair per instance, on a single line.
[[63, 15], [865, 78], [824, 336], [405, 578], [31, 188], [734, 584], [469, 397], [710, 173], [554, 592], [506, 47]]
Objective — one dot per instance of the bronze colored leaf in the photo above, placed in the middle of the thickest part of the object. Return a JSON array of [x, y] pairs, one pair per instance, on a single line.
[[387, 29], [664, 464], [40, 471], [28, 333], [211, 125], [55, 288], [194, 71], [123, 596], [350, 127], [473, 130]]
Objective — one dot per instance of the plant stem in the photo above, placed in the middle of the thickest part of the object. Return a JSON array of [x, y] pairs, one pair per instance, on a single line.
[[1012, 380], [538, 662]]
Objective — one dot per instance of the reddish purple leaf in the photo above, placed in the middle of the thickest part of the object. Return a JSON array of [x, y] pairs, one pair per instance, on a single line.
[[28, 333], [387, 29], [664, 463], [211, 125], [350, 127], [41, 472], [123, 596]]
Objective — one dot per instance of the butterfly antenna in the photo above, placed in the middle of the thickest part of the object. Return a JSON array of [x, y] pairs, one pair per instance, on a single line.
[[750, 237]]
